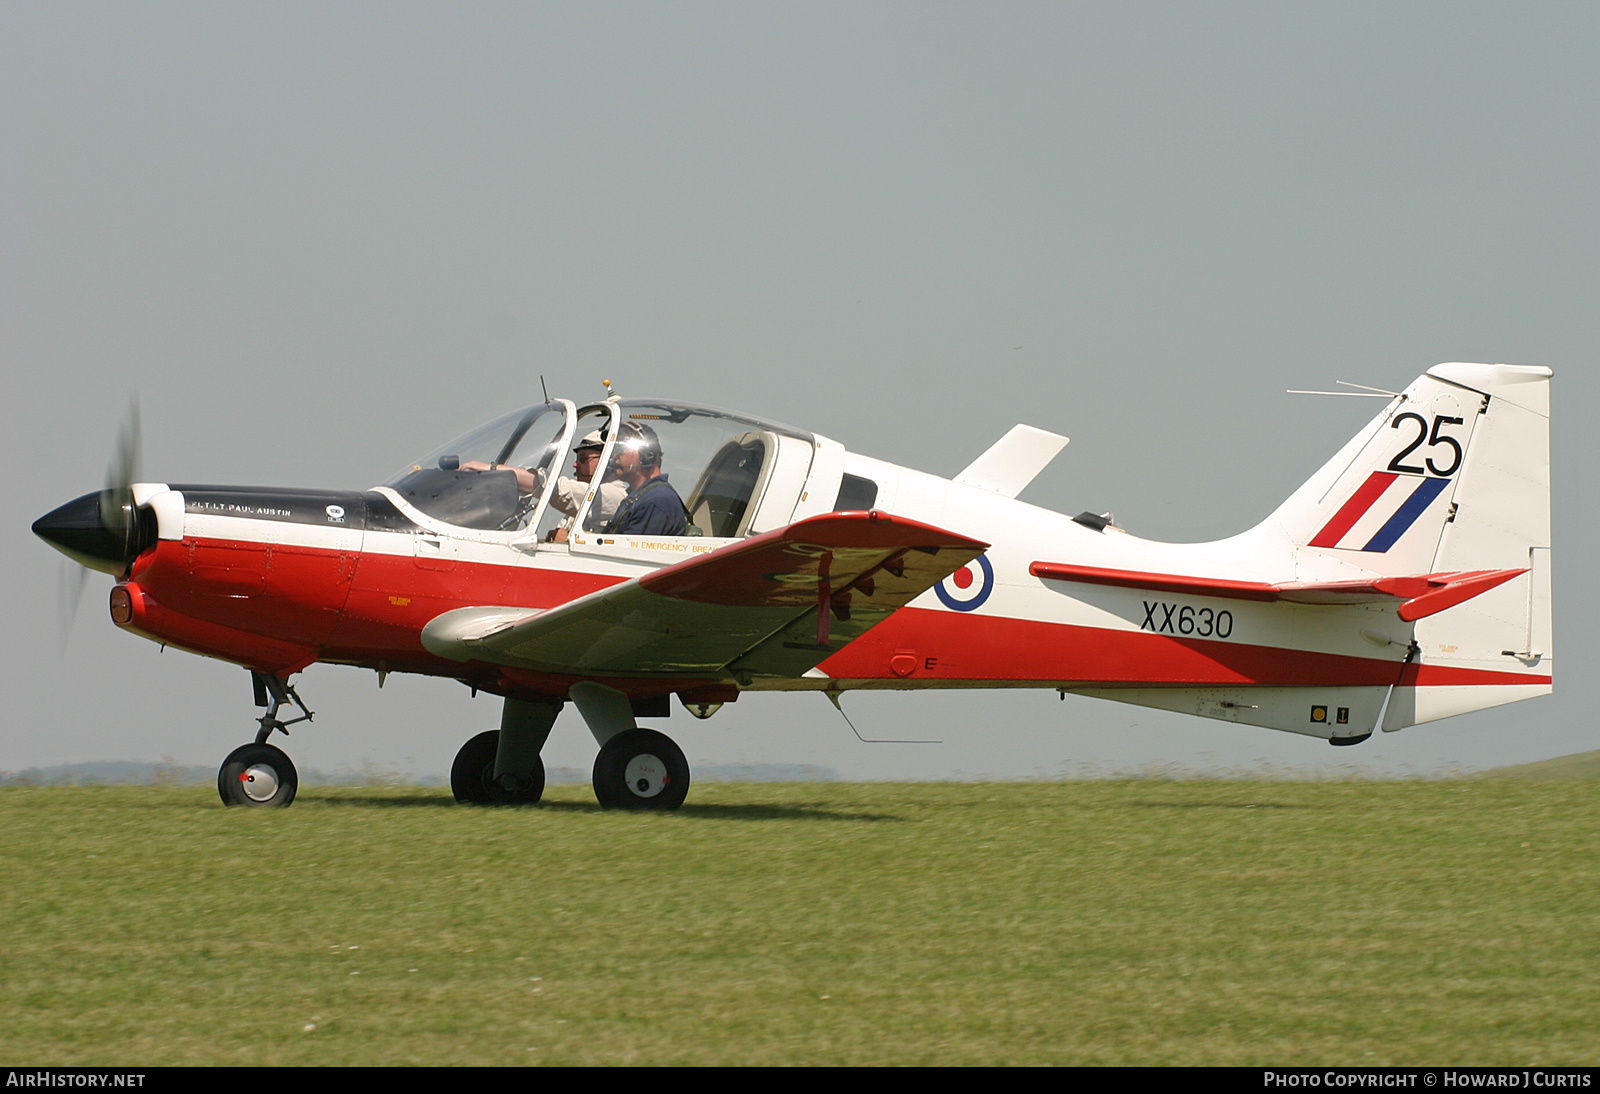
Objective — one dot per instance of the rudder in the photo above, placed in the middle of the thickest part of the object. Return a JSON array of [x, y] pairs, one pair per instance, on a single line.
[[1497, 647]]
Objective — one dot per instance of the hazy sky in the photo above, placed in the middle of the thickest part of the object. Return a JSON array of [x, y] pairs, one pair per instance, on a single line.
[[318, 240]]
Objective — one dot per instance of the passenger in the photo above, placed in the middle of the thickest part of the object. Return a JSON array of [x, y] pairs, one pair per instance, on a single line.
[[652, 507]]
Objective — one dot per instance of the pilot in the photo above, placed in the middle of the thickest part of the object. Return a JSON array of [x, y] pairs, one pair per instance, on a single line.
[[652, 507], [569, 493]]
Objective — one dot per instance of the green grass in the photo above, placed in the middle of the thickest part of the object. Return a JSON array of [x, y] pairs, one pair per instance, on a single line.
[[1579, 765], [1073, 923]]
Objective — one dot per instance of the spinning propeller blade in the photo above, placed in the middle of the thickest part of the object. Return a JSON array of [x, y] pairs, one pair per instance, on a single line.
[[70, 580], [103, 531], [117, 509]]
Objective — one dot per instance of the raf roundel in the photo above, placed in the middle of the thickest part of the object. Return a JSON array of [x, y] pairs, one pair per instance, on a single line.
[[968, 587]]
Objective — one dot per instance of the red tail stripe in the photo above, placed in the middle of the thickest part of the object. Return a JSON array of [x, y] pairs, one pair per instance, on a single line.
[[1353, 510], [1461, 587]]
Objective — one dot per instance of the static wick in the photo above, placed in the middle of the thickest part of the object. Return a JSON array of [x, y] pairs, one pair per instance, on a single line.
[[1366, 392], [1368, 387], [833, 697], [1350, 394]]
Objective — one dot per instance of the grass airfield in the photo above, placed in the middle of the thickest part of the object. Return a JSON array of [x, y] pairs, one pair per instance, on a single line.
[[1106, 922]]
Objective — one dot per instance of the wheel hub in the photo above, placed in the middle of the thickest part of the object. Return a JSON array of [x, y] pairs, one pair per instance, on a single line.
[[645, 775], [260, 782]]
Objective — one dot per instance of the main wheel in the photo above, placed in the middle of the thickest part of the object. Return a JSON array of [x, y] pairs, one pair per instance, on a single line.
[[472, 776], [641, 769], [259, 776]]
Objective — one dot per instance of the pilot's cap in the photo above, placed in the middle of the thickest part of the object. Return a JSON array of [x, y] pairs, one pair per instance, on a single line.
[[592, 439]]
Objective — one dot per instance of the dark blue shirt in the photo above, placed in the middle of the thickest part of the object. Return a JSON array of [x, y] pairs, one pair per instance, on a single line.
[[651, 509]]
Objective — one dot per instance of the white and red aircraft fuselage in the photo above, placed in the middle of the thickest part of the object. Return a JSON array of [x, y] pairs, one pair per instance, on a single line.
[[1408, 580]]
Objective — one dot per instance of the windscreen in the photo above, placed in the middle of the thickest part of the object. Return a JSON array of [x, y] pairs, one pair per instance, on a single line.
[[492, 477]]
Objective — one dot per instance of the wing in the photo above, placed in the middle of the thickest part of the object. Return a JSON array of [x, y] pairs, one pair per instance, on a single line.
[[1422, 595], [776, 604]]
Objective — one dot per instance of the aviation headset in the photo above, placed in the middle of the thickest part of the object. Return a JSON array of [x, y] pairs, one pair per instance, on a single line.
[[643, 440]]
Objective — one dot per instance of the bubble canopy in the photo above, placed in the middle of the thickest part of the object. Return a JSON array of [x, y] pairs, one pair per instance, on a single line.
[[519, 470]]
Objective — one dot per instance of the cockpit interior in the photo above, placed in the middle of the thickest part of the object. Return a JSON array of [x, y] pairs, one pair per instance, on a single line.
[[522, 473]]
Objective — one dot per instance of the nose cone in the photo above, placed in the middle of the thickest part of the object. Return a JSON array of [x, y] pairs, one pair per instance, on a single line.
[[94, 530]]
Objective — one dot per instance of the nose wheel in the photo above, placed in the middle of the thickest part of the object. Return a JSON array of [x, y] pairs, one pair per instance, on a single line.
[[257, 776], [641, 769]]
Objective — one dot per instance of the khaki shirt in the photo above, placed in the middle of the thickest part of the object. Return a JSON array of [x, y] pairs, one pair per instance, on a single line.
[[569, 494]]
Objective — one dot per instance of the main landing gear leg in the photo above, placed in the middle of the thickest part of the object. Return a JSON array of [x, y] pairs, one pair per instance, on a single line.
[[502, 766], [260, 775], [637, 768]]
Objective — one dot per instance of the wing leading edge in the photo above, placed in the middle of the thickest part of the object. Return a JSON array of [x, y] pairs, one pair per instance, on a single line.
[[775, 604]]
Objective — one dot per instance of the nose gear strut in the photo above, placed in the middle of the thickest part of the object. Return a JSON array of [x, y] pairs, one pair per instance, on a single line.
[[281, 693]]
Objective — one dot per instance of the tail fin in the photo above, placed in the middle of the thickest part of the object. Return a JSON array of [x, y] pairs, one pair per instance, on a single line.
[[1452, 476], [1381, 504]]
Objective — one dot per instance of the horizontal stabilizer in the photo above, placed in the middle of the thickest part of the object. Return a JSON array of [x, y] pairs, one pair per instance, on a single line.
[[1422, 595]]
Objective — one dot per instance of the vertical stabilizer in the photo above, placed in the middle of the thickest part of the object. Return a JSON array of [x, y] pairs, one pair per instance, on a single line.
[[1381, 504]]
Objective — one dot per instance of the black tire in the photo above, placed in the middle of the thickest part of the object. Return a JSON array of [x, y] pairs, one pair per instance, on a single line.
[[257, 776], [641, 769], [472, 775]]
